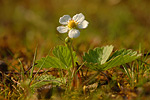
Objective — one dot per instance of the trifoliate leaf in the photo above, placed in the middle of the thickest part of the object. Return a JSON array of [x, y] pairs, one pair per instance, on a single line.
[[98, 59]]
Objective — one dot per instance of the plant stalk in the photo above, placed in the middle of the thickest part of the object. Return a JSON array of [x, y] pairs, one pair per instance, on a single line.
[[73, 76]]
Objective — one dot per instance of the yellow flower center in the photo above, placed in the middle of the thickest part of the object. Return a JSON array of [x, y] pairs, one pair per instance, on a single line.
[[72, 24]]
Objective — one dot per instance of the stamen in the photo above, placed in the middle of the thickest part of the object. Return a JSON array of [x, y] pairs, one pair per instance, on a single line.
[[72, 24]]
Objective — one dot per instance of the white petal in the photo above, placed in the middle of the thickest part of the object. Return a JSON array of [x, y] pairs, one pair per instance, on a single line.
[[83, 25], [74, 33], [64, 20], [78, 18], [62, 29]]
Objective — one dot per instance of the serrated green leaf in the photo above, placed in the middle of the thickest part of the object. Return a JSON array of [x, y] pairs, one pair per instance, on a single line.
[[47, 79], [119, 52], [118, 58], [61, 60], [51, 62], [93, 56], [106, 53], [98, 55], [125, 57], [64, 55]]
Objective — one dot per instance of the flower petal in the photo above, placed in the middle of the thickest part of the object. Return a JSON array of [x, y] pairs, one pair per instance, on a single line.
[[62, 29], [78, 18], [64, 20], [83, 25], [74, 33]]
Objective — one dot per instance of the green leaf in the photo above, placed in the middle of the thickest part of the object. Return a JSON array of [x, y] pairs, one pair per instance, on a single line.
[[98, 55], [61, 59], [100, 61], [64, 55], [106, 53], [126, 57], [47, 79], [50, 62]]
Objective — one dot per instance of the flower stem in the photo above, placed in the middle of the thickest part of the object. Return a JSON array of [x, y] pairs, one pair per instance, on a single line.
[[73, 76], [72, 60]]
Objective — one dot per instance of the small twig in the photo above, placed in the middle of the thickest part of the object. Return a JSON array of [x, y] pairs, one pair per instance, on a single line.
[[78, 66], [86, 73], [91, 78], [19, 73], [108, 78], [28, 70]]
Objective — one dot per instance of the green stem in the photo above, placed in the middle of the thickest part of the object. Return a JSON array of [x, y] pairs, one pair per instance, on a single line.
[[73, 77], [72, 60]]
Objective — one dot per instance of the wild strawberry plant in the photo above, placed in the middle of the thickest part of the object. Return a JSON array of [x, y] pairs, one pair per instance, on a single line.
[[97, 59]]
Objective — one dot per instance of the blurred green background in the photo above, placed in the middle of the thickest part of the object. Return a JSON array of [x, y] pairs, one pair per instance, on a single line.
[[24, 24]]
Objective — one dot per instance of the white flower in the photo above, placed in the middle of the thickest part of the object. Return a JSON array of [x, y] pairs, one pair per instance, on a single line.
[[70, 24]]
